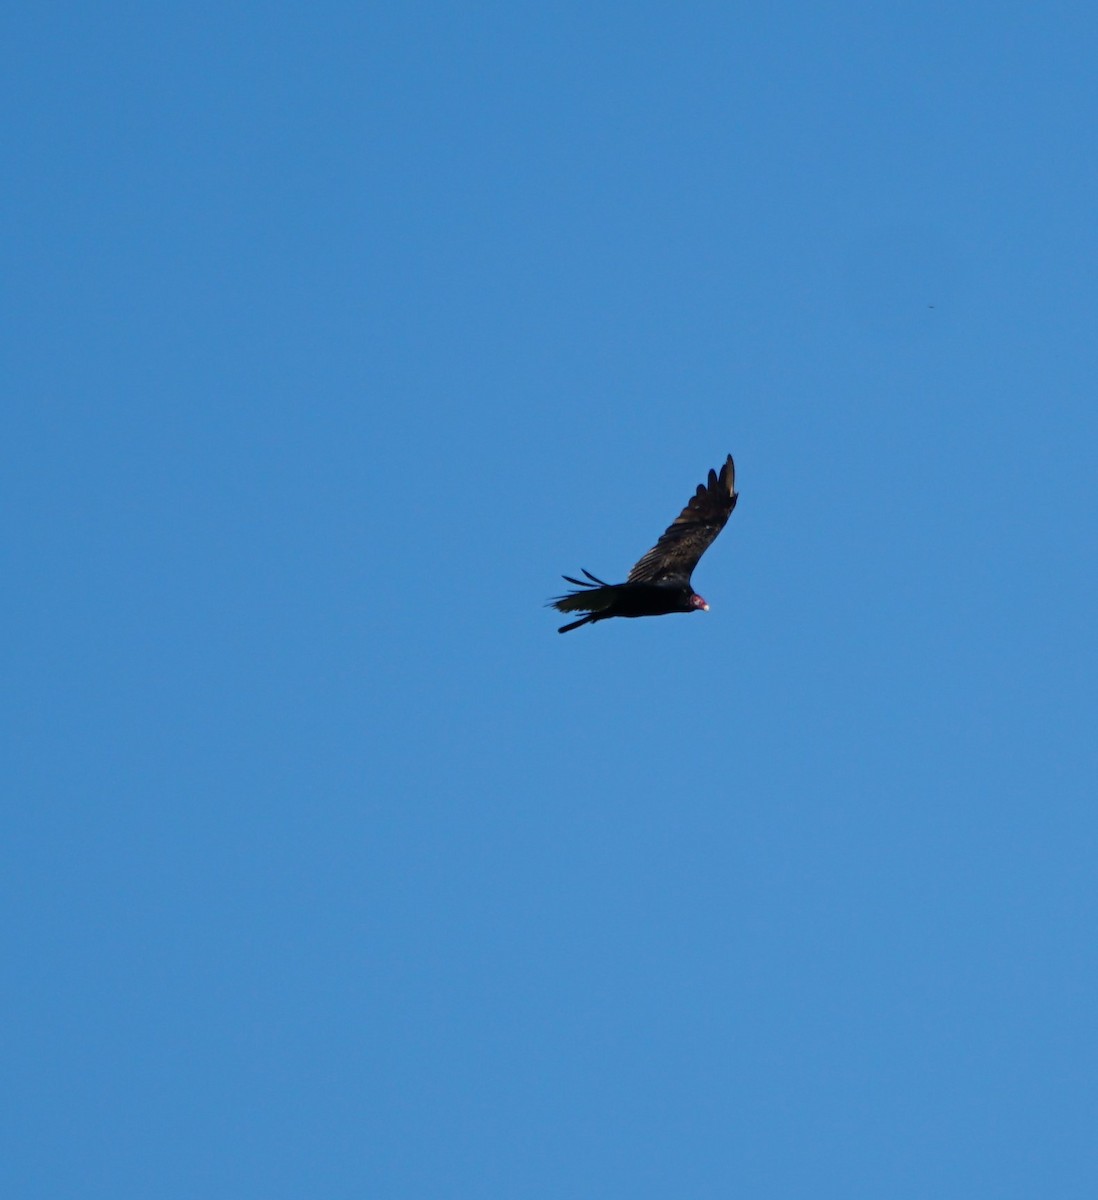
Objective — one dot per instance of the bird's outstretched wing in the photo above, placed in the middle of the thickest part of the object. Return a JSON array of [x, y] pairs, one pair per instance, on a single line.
[[688, 537]]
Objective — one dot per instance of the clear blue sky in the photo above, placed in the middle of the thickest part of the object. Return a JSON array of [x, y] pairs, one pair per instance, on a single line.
[[331, 336]]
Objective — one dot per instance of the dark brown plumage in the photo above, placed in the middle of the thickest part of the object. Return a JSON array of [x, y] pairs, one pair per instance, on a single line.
[[660, 581]]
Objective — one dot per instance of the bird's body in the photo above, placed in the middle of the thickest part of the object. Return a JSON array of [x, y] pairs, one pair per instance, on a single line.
[[660, 581]]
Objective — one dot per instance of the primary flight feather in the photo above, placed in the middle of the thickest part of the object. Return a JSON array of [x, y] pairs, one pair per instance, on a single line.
[[660, 581]]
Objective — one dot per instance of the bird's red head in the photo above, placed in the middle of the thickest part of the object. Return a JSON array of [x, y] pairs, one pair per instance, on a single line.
[[697, 602]]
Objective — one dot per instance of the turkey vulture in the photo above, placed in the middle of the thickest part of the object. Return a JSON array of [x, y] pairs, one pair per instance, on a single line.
[[660, 582]]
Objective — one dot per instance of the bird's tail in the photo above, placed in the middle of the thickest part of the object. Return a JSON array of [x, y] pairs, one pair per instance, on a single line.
[[592, 597]]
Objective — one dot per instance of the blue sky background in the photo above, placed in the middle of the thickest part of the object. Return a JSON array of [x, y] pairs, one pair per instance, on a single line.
[[332, 335]]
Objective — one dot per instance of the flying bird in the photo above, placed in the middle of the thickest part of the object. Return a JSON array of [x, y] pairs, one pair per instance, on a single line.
[[660, 581]]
